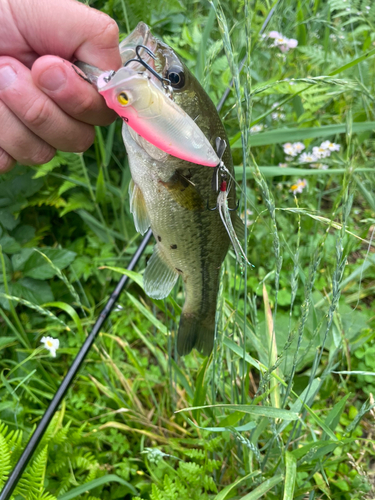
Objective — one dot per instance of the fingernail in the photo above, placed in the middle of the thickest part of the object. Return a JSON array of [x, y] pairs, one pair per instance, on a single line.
[[53, 78], [7, 76]]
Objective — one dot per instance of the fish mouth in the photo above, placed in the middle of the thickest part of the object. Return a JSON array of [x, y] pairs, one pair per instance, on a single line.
[[141, 35]]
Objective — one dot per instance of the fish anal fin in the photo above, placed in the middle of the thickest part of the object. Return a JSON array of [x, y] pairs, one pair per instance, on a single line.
[[138, 208], [184, 192], [159, 278]]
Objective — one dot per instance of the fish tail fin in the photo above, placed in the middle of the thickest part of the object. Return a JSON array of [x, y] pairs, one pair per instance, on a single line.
[[196, 330]]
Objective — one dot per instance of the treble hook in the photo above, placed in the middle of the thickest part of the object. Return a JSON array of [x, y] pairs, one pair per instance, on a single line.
[[165, 82]]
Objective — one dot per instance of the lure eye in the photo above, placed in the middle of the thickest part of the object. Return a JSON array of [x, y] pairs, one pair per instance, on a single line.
[[123, 98], [177, 77]]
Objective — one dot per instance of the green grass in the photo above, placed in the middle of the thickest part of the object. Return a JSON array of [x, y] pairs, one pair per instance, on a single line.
[[283, 409]]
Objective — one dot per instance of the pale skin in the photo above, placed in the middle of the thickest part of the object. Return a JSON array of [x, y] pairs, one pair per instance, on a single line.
[[44, 104]]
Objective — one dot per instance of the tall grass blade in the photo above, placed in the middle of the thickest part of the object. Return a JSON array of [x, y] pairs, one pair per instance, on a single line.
[[263, 488], [108, 478], [290, 476]]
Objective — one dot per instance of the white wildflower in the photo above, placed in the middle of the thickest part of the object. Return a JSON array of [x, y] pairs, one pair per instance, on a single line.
[[321, 152], [289, 149], [51, 345], [307, 158], [256, 128], [283, 165], [278, 116], [298, 146], [282, 41], [299, 186], [331, 146]]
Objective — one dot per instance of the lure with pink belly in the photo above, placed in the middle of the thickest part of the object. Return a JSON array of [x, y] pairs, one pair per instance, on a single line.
[[148, 110]]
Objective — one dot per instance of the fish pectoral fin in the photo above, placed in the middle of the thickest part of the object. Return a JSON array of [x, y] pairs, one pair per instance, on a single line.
[[138, 208], [159, 278], [184, 192], [238, 225]]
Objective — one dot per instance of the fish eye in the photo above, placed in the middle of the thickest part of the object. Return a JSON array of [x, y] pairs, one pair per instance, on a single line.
[[177, 77], [123, 98]]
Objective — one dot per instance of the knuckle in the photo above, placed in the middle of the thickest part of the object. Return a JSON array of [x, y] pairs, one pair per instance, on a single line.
[[110, 30], [37, 113]]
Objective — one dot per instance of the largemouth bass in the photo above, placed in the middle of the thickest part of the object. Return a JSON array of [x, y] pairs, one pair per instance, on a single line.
[[173, 196]]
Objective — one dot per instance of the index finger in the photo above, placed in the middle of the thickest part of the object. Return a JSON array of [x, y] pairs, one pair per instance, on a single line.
[[68, 29]]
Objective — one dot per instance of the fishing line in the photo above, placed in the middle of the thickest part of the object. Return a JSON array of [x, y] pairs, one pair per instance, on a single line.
[[39, 432]]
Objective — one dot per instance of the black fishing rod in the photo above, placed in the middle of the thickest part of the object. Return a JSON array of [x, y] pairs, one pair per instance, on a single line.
[[35, 439], [70, 376]]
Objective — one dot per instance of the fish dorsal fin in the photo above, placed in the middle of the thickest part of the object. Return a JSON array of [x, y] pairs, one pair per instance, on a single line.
[[138, 208], [184, 192], [159, 278], [238, 225]]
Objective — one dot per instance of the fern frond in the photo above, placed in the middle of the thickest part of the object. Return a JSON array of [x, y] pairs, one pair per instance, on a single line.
[[47, 496], [156, 494], [65, 482], [14, 440], [209, 484], [59, 462], [4, 460], [196, 454], [85, 461], [92, 474], [32, 480], [212, 464], [213, 444], [61, 435], [191, 472], [170, 488]]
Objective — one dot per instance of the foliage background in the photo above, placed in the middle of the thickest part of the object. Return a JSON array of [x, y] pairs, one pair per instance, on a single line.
[[295, 347]]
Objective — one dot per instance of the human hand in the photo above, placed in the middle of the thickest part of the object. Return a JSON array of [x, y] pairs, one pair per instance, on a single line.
[[44, 104]]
